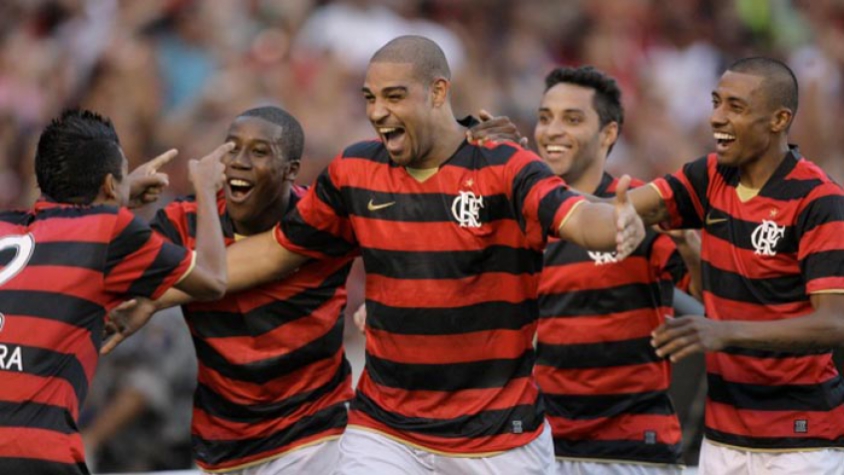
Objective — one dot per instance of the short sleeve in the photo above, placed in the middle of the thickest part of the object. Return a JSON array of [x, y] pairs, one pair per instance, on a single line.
[[684, 194]]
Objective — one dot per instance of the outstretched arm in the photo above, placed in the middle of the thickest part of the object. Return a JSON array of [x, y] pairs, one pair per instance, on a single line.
[[821, 329], [605, 227]]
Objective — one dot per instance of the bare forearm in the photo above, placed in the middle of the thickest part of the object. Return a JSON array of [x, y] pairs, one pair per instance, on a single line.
[[815, 331], [257, 260], [689, 249], [596, 228], [210, 248]]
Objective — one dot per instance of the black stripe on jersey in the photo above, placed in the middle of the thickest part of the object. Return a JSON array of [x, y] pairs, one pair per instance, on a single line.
[[216, 451], [482, 374], [54, 306], [260, 320], [163, 265], [33, 415], [548, 207], [133, 237], [85, 255], [28, 466], [600, 301], [479, 317], [770, 442], [561, 253], [73, 212], [51, 364], [771, 291], [370, 149], [527, 178], [633, 450], [330, 195], [471, 157], [265, 370], [734, 350], [482, 424], [303, 234], [162, 225], [607, 405], [218, 406], [787, 397], [676, 268], [16, 218], [422, 207], [787, 190], [821, 211], [451, 264], [823, 264], [739, 233], [597, 355]]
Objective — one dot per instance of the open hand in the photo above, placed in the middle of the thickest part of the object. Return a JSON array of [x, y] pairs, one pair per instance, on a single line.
[[629, 226], [125, 319], [495, 129], [146, 183], [209, 170]]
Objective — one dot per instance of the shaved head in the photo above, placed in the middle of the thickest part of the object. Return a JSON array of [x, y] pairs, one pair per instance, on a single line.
[[779, 83], [427, 57]]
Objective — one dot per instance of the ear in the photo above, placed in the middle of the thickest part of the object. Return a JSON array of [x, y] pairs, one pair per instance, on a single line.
[[108, 190], [781, 119], [292, 170], [609, 134], [439, 91]]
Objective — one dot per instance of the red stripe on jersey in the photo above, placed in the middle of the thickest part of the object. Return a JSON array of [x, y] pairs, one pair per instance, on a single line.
[[241, 350], [723, 255], [302, 380], [449, 405], [824, 283], [417, 235], [584, 275], [724, 309], [600, 328], [232, 464], [623, 427], [771, 371], [446, 349], [745, 422], [210, 427], [613, 380], [63, 280], [451, 445], [444, 293], [41, 444], [75, 341], [826, 237], [25, 387]]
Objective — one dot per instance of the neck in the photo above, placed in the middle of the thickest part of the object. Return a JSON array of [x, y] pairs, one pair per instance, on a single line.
[[268, 218], [755, 173], [589, 180], [449, 135]]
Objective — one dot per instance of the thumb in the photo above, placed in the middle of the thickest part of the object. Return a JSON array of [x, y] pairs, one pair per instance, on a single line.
[[161, 160], [621, 190], [154, 180], [112, 343], [484, 116]]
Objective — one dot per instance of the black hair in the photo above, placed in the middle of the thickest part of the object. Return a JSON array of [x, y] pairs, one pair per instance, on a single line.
[[607, 99], [292, 136], [779, 81], [425, 55], [75, 153]]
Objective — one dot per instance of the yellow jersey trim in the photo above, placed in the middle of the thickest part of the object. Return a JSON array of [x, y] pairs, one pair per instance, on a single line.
[[190, 267], [421, 174], [271, 457], [746, 193], [621, 461], [568, 215], [656, 188], [426, 449]]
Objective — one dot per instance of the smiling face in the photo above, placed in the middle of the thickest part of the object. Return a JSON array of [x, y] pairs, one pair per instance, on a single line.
[[741, 119], [257, 173], [568, 132], [400, 108]]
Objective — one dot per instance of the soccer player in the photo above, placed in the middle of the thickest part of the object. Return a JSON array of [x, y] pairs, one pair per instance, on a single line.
[[67, 261], [451, 234], [604, 387], [773, 278], [273, 376]]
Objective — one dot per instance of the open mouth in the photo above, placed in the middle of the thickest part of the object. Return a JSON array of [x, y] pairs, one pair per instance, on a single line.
[[393, 138], [556, 150], [239, 189], [723, 140]]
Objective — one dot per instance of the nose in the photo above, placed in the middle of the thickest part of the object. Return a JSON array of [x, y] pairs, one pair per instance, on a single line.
[[238, 158], [717, 117], [377, 111], [555, 128]]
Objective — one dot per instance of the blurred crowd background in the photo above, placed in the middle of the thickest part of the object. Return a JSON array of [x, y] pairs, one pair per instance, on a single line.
[[174, 73]]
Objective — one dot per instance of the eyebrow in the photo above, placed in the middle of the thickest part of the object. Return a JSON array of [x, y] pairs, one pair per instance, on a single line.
[[386, 90], [565, 111]]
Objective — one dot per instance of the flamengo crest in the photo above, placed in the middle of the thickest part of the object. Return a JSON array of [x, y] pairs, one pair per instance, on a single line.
[[466, 209], [602, 258], [766, 236]]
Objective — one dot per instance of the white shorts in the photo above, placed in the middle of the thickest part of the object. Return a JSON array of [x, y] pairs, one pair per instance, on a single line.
[[720, 460], [364, 452], [580, 467], [314, 459]]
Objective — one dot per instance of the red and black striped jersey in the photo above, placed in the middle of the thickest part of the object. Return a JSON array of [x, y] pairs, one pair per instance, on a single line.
[[64, 268], [452, 266], [273, 375], [604, 387], [761, 259]]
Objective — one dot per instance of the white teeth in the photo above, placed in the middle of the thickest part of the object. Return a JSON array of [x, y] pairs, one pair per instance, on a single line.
[[554, 148], [238, 182], [723, 136], [387, 130]]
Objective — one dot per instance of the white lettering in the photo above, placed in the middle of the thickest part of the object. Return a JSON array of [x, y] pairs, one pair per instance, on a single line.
[[766, 236], [466, 209], [15, 359]]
